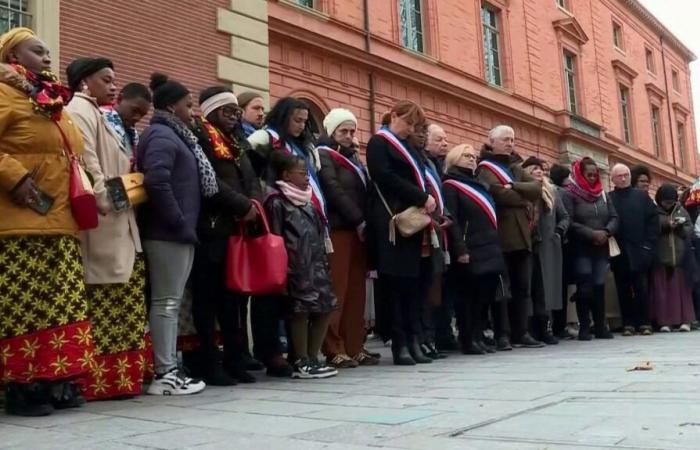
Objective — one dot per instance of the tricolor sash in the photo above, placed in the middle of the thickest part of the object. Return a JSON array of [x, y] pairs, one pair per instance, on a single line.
[[504, 175], [406, 154], [317, 197], [435, 189], [347, 163], [478, 196]]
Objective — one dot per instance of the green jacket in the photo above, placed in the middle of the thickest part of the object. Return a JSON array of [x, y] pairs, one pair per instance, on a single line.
[[672, 243]]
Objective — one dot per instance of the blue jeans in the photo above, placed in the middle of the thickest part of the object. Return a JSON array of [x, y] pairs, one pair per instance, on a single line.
[[591, 269]]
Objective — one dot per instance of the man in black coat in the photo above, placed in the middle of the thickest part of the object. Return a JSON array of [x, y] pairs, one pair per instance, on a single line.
[[637, 236]]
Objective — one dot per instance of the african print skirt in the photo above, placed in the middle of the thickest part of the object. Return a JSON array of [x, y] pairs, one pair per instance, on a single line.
[[123, 356], [44, 330]]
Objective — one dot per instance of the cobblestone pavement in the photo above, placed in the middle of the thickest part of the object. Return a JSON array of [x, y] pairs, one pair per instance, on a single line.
[[571, 396]]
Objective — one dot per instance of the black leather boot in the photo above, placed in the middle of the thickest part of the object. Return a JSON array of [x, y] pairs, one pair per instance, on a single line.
[[28, 400], [598, 307], [66, 395], [417, 353], [401, 356], [584, 320]]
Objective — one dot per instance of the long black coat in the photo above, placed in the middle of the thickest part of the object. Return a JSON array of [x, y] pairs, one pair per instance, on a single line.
[[638, 229], [238, 184], [308, 274], [395, 178], [472, 232], [345, 193]]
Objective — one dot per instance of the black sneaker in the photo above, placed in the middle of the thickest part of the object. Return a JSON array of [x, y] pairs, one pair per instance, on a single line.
[[250, 363], [216, 375], [549, 339], [324, 369], [527, 341], [305, 369]]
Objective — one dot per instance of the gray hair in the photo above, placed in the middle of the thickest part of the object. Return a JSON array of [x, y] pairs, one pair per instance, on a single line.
[[499, 130], [619, 166]]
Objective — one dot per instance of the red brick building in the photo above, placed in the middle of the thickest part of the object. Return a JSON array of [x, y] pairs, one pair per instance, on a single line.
[[597, 77]]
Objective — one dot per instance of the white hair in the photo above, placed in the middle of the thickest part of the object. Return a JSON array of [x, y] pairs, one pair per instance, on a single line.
[[619, 166], [499, 131]]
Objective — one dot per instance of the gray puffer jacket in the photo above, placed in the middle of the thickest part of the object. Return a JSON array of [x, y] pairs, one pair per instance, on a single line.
[[586, 217]]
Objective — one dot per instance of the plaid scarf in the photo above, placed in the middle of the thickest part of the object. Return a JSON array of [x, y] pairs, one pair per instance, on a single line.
[[207, 176]]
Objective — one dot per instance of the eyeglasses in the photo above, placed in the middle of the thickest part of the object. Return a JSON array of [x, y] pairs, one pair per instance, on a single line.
[[231, 111], [468, 156]]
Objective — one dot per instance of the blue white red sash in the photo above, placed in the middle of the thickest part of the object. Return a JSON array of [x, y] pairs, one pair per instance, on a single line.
[[317, 197], [435, 189], [478, 196], [504, 175], [347, 163], [406, 154]]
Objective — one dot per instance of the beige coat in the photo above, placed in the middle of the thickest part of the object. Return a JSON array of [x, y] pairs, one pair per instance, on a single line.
[[109, 250]]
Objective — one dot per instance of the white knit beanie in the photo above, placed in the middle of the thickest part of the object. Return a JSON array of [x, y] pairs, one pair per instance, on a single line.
[[337, 116]]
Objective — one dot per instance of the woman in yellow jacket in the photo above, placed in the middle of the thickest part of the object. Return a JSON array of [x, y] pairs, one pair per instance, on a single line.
[[45, 336]]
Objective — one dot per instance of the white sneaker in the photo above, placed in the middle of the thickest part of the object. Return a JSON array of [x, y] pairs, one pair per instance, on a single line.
[[175, 383], [665, 329], [685, 328]]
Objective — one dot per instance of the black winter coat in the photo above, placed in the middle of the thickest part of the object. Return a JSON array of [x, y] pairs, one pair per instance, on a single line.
[[638, 229], [344, 191], [394, 177], [238, 184], [472, 232], [308, 274]]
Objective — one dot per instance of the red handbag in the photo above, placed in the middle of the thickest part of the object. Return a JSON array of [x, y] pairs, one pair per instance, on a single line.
[[256, 265], [83, 203]]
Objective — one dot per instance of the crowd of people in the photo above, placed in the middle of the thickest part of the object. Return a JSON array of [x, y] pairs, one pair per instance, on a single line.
[[481, 239]]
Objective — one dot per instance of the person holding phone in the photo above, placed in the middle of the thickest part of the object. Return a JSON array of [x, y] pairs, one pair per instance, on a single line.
[[115, 272], [671, 295], [45, 334]]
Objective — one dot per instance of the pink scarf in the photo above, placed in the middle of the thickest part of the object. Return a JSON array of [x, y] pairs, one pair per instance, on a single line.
[[295, 195]]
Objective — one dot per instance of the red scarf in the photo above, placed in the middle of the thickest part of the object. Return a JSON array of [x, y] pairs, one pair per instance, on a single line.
[[581, 187], [224, 147], [47, 94]]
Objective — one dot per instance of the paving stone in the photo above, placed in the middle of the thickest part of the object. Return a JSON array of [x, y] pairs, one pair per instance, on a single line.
[[268, 407], [257, 423], [370, 415], [182, 437]]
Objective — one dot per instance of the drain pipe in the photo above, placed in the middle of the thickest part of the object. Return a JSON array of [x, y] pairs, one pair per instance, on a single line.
[[370, 76], [671, 125]]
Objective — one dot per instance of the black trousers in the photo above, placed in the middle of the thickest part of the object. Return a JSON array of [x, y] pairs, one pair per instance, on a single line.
[[212, 302], [442, 316], [473, 294], [407, 296], [519, 264], [265, 315], [633, 294]]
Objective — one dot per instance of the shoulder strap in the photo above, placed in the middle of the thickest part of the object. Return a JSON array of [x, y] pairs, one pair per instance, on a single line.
[[381, 196]]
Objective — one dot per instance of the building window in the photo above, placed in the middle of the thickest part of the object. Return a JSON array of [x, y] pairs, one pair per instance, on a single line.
[[570, 78], [410, 14], [307, 3], [14, 13], [563, 4], [675, 79], [625, 112], [618, 41], [649, 55], [680, 130], [656, 129], [492, 56]]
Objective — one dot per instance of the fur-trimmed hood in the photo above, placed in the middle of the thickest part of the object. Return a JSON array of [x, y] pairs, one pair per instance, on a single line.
[[10, 76]]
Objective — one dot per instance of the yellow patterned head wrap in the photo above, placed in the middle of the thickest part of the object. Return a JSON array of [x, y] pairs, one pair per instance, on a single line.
[[11, 39]]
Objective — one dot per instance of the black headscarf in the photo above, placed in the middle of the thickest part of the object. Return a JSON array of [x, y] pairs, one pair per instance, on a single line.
[[667, 191], [166, 92], [533, 161], [81, 68]]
